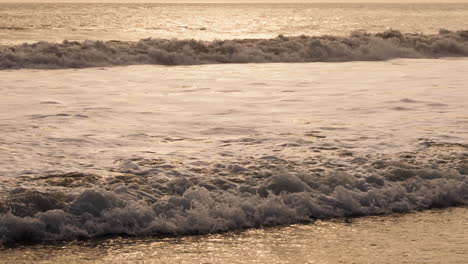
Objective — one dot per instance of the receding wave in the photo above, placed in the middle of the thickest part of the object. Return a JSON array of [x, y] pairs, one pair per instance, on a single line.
[[359, 46], [161, 197]]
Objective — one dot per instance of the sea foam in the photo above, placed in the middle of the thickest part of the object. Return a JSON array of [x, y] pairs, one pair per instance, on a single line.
[[359, 46], [264, 194]]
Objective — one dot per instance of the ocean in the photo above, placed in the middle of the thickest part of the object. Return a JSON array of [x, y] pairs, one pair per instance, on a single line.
[[237, 133]]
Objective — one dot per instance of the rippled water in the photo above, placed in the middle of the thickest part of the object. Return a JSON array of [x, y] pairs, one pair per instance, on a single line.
[[56, 22], [200, 149]]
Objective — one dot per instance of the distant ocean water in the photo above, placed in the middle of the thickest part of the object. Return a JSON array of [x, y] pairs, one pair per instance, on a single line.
[[56, 22], [153, 150]]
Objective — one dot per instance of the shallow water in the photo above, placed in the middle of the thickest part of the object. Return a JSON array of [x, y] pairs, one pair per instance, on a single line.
[[211, 112], [436, 236], [150, 150]]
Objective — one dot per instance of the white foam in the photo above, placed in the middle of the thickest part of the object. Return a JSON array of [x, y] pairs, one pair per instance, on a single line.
[[357, 47]]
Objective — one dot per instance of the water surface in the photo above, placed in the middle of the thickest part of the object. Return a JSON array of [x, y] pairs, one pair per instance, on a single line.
[[55, 22]]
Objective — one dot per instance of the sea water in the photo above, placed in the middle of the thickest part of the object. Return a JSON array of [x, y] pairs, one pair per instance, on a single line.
[[100, 138], [56, 22]]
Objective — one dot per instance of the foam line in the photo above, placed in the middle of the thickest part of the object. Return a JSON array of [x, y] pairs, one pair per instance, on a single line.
[[359, 46]]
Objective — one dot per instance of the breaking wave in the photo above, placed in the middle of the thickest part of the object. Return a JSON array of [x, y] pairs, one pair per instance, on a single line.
[[359, 46], [154, 197]]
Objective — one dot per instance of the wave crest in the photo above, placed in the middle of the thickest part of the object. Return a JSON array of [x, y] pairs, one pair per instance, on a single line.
[[359, 46], [264, 194]]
